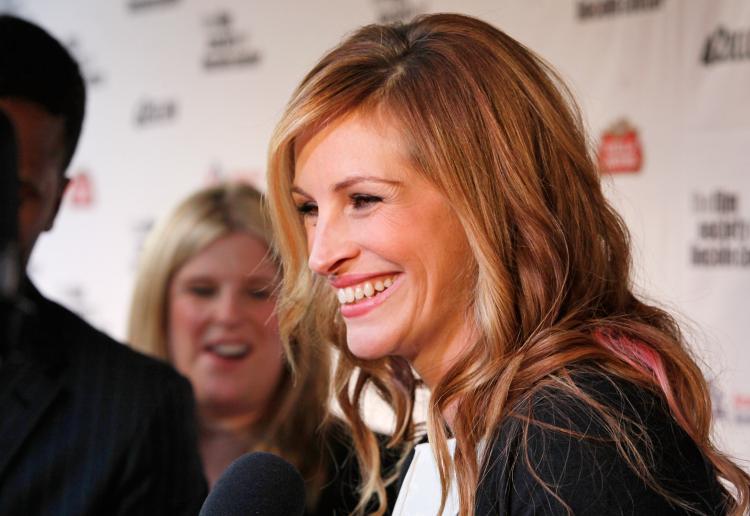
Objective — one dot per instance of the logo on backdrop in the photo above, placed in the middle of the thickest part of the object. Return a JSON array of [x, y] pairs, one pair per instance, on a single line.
[[589, 9], [620, 149], [742, 408], [734, 407], [389, 11], [80, 192], [228, 47], [138, 5], [725, 44], [90, 71], [722, 234], [155, 112]]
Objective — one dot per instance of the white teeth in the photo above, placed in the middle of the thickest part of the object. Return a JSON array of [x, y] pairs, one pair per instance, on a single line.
[[230, 350], [359, 292]]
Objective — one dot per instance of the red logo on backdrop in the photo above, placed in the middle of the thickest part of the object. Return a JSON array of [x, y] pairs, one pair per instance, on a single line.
[[80, 192], [620, 149], [742, 408]]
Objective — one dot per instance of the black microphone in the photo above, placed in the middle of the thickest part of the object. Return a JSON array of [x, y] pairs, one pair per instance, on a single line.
[[10, 267], [257, 483]]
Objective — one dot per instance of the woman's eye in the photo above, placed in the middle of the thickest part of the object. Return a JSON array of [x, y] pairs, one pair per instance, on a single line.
[[201, 290], [307, 209], [360, 201], [260, 294]]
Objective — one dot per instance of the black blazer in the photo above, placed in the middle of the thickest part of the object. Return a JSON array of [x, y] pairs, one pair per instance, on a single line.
[[340, 495], [88, 426], [583, 467]]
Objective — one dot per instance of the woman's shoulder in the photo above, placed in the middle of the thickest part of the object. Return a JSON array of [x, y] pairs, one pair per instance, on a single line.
[[578, 441], [581, 400]]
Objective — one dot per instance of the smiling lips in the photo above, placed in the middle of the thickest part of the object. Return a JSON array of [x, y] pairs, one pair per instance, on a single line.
[[353, 294], [229, 350]]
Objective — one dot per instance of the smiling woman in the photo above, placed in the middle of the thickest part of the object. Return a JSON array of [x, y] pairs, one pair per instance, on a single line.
[[205, 300], [438, 211], [221, 328]]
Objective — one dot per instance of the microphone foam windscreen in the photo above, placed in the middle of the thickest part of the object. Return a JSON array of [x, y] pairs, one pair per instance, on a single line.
[[257, 483]]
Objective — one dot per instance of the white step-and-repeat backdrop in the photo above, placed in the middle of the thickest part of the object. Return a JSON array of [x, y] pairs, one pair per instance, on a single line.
[[186, 92]]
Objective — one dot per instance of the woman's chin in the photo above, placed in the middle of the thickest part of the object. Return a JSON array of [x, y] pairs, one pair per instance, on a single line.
[[225, 403], [369, 348]]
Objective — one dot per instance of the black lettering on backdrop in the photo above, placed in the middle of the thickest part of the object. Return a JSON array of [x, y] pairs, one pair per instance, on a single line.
[[726, 45], [150, 112], [138, 5], [226, 45], [588, 9], [723, 236]]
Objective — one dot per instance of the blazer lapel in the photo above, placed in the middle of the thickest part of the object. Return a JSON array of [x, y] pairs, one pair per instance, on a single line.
[[27, 389], [31, 376]]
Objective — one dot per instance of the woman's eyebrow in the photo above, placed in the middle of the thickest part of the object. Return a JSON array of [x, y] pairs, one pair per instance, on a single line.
[[296, 189], [348, 182], [353, 180]]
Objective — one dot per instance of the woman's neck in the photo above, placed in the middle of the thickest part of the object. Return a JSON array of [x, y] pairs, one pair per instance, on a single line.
[[222, 440], [440, 350], [434, 362]]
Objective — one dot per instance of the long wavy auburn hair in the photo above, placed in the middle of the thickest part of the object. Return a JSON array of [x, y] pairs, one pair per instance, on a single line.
[[495, 130], [294, 427]]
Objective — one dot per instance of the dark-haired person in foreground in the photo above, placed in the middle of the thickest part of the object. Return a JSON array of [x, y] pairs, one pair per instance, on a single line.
[[87, 425]]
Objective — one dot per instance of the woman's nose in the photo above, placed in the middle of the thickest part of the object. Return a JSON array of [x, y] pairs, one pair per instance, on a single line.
[[229, 308], [330, 245]]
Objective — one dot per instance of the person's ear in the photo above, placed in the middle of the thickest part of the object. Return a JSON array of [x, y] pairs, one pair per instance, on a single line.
[[62, 187]]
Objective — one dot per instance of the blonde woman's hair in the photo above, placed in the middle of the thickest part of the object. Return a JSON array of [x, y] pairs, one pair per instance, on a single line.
[[297, 428], [493, 128]]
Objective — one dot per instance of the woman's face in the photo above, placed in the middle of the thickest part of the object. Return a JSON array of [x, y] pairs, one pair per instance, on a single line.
[[222, 329], [387, 240]]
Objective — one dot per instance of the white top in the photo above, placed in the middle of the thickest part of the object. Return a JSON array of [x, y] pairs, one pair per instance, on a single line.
[[420, 492]]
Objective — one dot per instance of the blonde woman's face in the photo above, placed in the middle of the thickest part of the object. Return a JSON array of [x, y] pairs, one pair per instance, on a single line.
[[222, 331], [388, 242]]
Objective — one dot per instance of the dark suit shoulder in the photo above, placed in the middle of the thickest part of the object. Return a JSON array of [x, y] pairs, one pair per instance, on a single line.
[[113, 431], [84, 346]]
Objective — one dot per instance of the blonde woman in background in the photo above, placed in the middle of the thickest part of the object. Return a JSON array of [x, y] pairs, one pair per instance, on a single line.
[[437, 208], [205, 301]]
